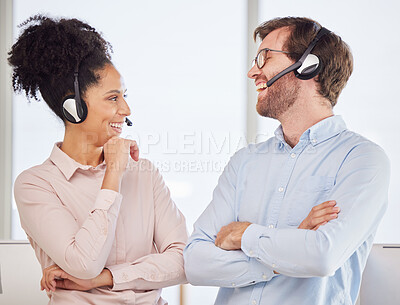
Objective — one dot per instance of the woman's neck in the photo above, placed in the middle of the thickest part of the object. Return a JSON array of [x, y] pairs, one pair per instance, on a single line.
[[83, 148]]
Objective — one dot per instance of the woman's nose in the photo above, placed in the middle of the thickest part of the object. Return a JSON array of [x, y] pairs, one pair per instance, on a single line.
[[124, 109]]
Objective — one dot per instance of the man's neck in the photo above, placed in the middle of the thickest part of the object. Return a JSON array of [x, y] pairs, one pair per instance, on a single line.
[[296, 121]]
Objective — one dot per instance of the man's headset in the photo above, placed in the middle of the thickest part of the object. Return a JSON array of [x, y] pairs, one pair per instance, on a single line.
[[307, 66], [74, 107]]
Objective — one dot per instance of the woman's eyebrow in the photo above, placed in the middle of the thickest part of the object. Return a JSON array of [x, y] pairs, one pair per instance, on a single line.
[[113, 91]]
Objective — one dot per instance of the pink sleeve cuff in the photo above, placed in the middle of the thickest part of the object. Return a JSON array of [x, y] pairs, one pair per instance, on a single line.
[[106, 198], [120, 276]]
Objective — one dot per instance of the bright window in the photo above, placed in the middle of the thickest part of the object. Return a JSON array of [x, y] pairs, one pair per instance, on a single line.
[[184, 64]]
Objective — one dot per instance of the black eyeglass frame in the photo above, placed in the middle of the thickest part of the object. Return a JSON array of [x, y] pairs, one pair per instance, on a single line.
[[255, 60]]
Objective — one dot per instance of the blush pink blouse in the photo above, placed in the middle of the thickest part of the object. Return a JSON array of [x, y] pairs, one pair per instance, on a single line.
[[138, 234]]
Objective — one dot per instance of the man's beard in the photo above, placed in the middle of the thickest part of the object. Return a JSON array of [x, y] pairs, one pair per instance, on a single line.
[[279, 98]]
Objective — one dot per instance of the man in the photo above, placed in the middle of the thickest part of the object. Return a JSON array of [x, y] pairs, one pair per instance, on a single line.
[[255, 240]]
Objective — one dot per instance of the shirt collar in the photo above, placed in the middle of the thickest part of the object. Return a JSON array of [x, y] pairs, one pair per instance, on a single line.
[[320, 132], [66, 164]]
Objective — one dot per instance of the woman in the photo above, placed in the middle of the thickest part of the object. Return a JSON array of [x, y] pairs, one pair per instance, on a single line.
[[103, 226]]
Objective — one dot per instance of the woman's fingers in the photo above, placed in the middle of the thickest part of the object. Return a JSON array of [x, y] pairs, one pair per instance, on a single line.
[[43, 284], [43, 281], [50, 277], [134, 151], [54, 277], [63, 284], [50, 281], [117, 151]]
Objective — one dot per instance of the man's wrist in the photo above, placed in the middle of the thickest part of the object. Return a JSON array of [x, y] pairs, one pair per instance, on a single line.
[[244, 228]]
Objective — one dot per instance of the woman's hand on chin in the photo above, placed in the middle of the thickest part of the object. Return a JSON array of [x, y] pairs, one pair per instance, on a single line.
[[54, 277], [117, 151]]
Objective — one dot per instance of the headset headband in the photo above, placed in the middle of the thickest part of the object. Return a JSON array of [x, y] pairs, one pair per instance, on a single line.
[[311, 46], [77, 95]]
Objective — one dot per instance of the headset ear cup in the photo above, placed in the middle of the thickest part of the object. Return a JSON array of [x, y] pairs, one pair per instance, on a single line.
[[310, 67], [311, 75], [71, 111]]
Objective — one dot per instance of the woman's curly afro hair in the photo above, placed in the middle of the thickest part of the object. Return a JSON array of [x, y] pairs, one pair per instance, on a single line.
[[47, 53]]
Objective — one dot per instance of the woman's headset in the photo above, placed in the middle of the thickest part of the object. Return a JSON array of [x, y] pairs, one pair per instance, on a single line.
[[74, 108], [307, 66]]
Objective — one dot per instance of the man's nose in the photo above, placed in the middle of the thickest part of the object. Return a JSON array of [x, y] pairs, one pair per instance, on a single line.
[[253, 72]]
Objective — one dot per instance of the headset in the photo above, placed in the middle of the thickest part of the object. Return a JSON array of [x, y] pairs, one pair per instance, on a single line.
[[74, 107], [308, 65]]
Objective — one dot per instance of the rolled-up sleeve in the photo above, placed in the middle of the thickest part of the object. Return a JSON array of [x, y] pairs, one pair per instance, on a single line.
[[79, 250]]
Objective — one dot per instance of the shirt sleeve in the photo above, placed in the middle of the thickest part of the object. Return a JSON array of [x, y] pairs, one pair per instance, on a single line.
[[81, 251], [209, 265], [360, 190], [164, 268]]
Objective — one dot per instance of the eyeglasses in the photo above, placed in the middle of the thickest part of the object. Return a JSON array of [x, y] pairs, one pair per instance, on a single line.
[[261, 57]]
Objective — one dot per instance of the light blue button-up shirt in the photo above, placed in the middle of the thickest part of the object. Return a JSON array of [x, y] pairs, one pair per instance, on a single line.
[[274, 187]]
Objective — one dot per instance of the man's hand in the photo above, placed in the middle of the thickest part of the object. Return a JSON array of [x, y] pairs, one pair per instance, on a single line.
[[54, 277], [230, 236], [320, 214]]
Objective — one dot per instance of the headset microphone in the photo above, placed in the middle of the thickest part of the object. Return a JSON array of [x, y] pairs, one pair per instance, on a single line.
[[128, 122], [307, 66]]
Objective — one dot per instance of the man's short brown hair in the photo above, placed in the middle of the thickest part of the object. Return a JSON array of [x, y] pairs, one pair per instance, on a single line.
[[333, 52]]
